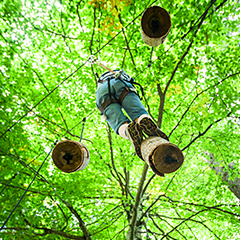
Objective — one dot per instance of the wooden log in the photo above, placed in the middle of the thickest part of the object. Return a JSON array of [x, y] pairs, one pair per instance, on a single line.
[[70, 156], [165, 156], [155, 25]]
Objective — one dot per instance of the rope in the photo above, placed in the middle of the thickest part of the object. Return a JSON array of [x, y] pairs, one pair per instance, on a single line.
[[84, 120], [42, 99], [191, 28], [92, 59], [9, 181], [150, 61], [27, 188], [71, 74], [78, 123], [184, 35], [37, 172]]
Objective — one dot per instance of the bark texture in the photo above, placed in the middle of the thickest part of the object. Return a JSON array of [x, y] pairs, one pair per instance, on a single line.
[[234, 185]]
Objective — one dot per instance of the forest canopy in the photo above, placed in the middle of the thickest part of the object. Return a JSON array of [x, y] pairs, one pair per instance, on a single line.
[[191, 91]]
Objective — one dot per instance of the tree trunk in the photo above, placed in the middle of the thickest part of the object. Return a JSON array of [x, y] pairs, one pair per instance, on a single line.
[[234, 186]]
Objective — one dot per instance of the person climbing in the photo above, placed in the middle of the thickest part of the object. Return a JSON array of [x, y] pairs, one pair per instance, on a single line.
[[116, 92]]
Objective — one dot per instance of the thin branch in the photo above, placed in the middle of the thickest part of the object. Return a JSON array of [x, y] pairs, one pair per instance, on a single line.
[[118, 174], [148, 209], [201, 134], [64, 33], [25, 62], [112, 159], [41, 178], [49, 31], [80, 21], [148, 182], [111, 223], [94, 25], [60, 233], [208, 88], [170, 226], [67, 131], [175, 228], [119, 232], [156, 225], [51, 231], [23, 188], [64, 215], [127, 190], [125, 37], [162, 98], [180, 219], [190, 229], [102, 217], [176, 68], [63, 118]]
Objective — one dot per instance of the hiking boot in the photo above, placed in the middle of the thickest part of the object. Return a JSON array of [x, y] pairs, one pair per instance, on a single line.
[[134, 133], [150, 128]]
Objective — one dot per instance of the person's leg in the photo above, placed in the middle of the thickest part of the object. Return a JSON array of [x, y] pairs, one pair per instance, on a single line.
[[115, 117], [133, 106], [113, 112], [137, 112], [123, 129]]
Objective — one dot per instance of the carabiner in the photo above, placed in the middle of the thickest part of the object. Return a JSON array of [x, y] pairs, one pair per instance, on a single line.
[[92, 59]]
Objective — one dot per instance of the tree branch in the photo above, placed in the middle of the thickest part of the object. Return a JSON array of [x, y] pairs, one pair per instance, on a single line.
[[201, 134], [80, 21], [94, 25], [125, 37], [64, 34], [25, 62], [208, 88], [175, 228], [132, 226], [81, 223], [47, 30], [112, 159]]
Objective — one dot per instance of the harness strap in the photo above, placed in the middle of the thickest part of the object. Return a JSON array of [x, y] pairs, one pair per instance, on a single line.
[[123, 94], [114, 100], [106, 103], [142, 91], [109, 90]]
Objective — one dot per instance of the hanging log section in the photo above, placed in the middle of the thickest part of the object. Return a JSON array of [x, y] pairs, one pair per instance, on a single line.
[[165, 156], [70, 156], [155, 25]]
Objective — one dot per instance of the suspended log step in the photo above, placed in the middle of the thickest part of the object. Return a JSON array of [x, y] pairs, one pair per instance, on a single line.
[[165, 156], [70, 156], [155, 25]]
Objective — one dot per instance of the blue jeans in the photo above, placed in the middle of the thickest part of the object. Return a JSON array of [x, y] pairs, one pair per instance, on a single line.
[[131, 103]]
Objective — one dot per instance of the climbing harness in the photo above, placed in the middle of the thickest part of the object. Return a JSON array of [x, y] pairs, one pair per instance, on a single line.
[[122, 76]]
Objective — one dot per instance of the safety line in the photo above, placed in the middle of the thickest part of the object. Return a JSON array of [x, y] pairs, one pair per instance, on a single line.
[[42, 99], [69, 76], [84, 120], [28, 165], [9, 181], [27, 188]]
